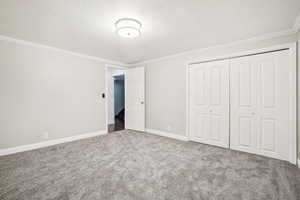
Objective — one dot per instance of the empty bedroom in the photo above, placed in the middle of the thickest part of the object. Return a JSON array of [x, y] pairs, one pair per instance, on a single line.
[[149, 100]]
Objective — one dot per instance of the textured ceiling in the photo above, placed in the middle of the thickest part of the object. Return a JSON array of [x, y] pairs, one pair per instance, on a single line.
[[169, 26]]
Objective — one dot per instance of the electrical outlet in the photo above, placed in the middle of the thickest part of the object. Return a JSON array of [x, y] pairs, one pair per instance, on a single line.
[[45, 135], [169, 128]]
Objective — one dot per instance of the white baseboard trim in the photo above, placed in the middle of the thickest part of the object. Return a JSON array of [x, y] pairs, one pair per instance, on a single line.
[[47, 143], [298, 163], [167, 134]]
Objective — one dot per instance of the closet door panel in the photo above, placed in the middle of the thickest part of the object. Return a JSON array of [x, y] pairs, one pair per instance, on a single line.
[[246, 126], [199, 103], [209, 105], [268, 135], [260, 104], [200, 126], [243, 102], [274, 82]]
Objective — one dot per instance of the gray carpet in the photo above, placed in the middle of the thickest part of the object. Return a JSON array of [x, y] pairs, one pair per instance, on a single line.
[[134, 165]]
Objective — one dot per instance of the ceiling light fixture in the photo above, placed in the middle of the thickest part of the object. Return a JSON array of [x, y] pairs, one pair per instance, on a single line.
[[128, 27]]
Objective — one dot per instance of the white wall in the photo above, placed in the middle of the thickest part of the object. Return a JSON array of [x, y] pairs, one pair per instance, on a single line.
[[166, 84], [48, 91]]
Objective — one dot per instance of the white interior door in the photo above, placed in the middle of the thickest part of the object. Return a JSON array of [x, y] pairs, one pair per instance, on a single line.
[[135, 99], [260, 100], [209, 103]]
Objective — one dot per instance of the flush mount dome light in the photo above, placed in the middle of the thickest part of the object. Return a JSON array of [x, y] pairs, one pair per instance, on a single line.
[[128, 28]]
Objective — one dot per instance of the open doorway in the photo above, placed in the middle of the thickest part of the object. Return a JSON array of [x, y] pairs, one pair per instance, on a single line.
[[125, 107], [119, 104], [115, 80]]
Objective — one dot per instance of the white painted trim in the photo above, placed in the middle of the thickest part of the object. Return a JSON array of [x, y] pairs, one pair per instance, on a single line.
[[167, 134], [118, 64], [287, 32], [293, 104], [37, 45], [187, 93], [38, 145], [267, 36], [106, 99], [298, 163], [241, 53]]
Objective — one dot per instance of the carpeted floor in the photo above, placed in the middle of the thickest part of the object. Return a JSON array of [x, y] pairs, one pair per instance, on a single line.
[[134, 165]]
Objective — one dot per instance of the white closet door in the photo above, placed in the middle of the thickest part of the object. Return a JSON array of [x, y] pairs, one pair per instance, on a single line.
[[209, 103], [135, 99], [260, 101]]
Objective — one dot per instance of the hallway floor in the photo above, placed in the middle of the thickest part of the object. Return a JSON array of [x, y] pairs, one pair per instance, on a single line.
[[117, 126]]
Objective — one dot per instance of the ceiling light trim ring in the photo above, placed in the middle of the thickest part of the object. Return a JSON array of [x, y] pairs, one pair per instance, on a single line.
[[128, 27], [130, 20]]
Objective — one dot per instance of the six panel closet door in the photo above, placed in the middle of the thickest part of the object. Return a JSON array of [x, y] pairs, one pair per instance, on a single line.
[[209, 103], [260, 99]]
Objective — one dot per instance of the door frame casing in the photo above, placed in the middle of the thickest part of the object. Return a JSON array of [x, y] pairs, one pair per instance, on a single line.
[[107, 66], [292, 47]]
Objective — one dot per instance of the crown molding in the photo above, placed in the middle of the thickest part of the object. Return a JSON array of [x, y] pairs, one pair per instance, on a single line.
[[267, 36], [37, 45], [291, 31]]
